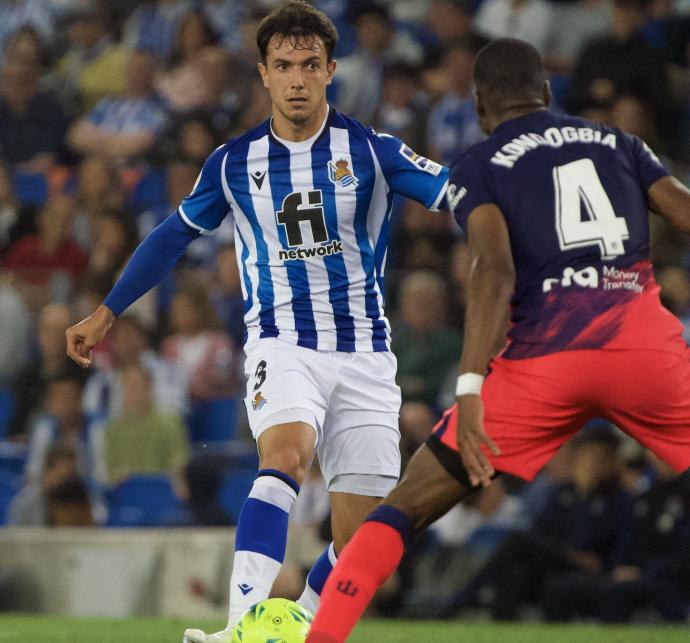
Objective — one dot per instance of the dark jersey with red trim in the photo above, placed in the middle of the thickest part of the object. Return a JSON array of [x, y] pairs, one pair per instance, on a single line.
[[574, 196]]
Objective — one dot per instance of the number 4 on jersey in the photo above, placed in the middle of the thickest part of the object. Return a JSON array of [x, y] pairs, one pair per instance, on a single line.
[[578, 183]]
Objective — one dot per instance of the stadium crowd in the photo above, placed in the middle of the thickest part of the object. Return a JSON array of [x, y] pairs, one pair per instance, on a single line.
[[107, 112]]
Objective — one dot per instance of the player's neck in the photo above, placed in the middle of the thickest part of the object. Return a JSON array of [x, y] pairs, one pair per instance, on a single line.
[[517, 111], [298, 132]]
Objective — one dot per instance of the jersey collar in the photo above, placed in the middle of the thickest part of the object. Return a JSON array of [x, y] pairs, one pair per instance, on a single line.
[[301, 146]]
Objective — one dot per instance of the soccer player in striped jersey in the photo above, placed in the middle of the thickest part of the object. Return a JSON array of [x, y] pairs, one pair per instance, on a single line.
[[309, 192]]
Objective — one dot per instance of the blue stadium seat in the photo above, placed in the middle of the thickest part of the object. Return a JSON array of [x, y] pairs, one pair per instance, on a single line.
[[13, 458], [6, 408], [9, 486], [30, 189], [142, 501], [233, 491], [212, 420]]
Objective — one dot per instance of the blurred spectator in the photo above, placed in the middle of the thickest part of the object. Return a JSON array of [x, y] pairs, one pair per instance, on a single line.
[[63, 422], [15, 14], [153, 25], [129, 346], [12, 219], [15, 322], [652, 570], [359, 76], [182, 84], [160, 439], [622, 62], [69, 505], [403, 106], [226, 293], [49, 258], [29, 507], [48, 362], [99, 193], [417, 420], [491, 511], [426, 347], [94, 65], [208, 357], [115, 237], [632, 115], [525, 19], [582, 528], [675, 294], [26, 46], [572, 25], [226, 18], [196, 138], [124, 126], [449, 20], [33, 122], [222, 98], [198, 488], [453, 124]]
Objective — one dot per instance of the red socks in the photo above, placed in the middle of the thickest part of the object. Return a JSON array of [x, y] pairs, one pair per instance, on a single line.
[[365, 564]]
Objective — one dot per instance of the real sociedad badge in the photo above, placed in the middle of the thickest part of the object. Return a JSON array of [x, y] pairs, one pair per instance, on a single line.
[[340, 174]]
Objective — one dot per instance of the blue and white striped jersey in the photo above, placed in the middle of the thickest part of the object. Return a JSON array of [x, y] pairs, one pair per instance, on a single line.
[[312, 227]]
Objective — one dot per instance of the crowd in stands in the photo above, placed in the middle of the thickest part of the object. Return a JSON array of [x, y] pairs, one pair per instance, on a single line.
[[107, 112]]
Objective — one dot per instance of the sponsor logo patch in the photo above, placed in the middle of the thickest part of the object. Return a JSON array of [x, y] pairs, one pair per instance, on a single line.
[[421, 162]]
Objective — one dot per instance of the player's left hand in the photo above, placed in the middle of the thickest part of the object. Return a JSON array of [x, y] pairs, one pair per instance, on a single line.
[[470, 438]]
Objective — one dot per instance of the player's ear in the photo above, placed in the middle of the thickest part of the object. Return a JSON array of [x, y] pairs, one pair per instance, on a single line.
[[547, 93], [479, 104], [263, 72], [330, 70]]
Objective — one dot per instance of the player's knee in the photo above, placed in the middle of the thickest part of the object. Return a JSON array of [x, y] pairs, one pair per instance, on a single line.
[[288, 461]]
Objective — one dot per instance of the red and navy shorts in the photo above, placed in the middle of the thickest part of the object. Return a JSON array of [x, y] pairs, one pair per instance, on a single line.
[[532, 406]]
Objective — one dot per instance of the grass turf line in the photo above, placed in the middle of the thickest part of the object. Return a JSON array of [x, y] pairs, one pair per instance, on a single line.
[[20, 629]]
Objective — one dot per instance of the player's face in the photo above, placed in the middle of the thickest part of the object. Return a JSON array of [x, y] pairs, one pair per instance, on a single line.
[[296, 75]]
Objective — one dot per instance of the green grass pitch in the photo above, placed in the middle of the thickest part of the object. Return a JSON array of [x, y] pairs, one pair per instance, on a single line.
[[34, 629]]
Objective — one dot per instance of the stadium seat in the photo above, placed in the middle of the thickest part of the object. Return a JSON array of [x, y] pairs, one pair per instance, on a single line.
[[9, 486], [6, 408], [30, 189], [13, 458], [212, 420], [142, 501], [233, 491]]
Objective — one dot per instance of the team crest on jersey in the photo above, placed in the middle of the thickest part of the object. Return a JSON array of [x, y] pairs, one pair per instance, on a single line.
[[421, 162], [340, 174], [259, 401]]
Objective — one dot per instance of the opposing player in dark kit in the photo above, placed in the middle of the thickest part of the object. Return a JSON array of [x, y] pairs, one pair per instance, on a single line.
[[556, 213]]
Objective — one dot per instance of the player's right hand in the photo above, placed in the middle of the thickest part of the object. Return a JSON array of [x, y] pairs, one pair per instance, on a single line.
[[470, 438], [82, 337]]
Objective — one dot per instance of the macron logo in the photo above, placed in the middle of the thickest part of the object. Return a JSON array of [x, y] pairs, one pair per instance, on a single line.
[[245, 589]]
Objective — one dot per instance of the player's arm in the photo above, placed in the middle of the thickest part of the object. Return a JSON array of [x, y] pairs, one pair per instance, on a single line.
[[490, 286], [153, 259], [409, 174], [200, 213], [671, 199]]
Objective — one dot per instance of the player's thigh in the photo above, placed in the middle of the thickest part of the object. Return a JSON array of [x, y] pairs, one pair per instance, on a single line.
[[285, 385], [360, 434], [648, 397], [531, 407]]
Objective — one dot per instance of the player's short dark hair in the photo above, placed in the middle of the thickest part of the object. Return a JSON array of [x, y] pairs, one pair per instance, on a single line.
[[297, 21], [508, 68]]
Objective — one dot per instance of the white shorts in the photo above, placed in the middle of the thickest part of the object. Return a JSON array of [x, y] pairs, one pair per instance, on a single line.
[[351, 400]]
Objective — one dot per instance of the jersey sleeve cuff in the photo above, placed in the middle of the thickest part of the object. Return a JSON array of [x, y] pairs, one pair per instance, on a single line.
[[437, 202], [195, 226]]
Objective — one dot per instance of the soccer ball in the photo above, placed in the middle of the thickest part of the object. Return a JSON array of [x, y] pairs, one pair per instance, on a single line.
[[275, 620]]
